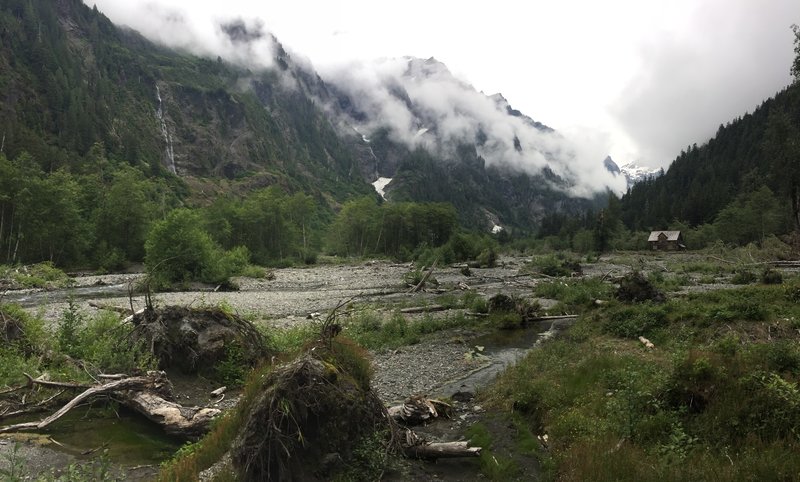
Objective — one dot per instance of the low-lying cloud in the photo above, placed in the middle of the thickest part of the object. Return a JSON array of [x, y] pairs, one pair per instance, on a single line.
[[421, 102], [688, 85], [239, 40], [424, 105]]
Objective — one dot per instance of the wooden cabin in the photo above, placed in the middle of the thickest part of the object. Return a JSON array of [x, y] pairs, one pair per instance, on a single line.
[[666, 241]]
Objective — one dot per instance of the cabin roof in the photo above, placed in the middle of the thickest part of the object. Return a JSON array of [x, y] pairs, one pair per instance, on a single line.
[[671, 235]]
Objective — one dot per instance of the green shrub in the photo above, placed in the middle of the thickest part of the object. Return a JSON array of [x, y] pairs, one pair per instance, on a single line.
[[104, 342], [743, 277], [233, 368], [635, 321], [771, 277], [69, 326], [554, 265], [40, 275], [178, 250]]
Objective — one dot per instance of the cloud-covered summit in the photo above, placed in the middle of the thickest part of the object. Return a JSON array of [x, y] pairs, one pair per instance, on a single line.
[[423, 104]]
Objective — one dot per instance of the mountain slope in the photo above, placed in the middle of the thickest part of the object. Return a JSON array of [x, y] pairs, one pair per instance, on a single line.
[[756, 149], [73, 83], [438, 138], [72, 79]]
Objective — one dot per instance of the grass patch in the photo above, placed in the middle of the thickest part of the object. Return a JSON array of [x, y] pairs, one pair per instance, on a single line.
[[493, 465], [375, 330], [41, 275], [717, 399], [574, 295]]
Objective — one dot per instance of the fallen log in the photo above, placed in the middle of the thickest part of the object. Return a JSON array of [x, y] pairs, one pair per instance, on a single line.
[[553, 317], [423, 309], [421, 284], [145, 394], [442, 450], [416, 447], [417, 410], [117, 385], [189, 422]]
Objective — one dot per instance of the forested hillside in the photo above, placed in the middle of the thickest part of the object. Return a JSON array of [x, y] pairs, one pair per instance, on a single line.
[[72, 79], [96, 123], [756, 151]]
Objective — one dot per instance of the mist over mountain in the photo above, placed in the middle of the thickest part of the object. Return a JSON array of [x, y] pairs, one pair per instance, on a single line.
[[248, 111], [421, 104]]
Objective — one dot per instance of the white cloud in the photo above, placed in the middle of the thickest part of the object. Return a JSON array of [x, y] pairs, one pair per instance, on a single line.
[[456, 113], [649, 76]]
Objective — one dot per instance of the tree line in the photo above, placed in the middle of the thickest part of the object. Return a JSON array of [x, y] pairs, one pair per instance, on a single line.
[[706, 184], [104, 215]]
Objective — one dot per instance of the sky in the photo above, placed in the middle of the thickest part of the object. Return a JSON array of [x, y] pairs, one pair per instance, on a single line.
[[644, 78]]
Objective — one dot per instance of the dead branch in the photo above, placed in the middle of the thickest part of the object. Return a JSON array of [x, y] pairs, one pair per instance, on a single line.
[[417, 410], [423, 309], [47, 383], [422, 282], [116, 385], [39, 407], [106, 306], [141, 393]]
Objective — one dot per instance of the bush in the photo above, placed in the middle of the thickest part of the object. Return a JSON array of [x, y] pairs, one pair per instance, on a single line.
[[632, 322], [178, 250], [743, 277], [554, 266], [771, 277], [634, 287]]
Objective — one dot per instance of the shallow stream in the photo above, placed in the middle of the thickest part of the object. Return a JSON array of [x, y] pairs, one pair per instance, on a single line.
[[503, 348]]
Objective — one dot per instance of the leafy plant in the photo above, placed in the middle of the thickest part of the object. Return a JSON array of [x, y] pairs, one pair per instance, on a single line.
[[15, 470]]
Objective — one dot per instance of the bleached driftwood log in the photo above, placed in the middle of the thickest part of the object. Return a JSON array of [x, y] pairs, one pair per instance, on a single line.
[[148, 395], [415, 447], [417, 410], [442, 450]]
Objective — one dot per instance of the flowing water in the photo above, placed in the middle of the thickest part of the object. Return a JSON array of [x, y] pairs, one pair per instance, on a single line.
[[503, 348], [39, 298], [169, 152]]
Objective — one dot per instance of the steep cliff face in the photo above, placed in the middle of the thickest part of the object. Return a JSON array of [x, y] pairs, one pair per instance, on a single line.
[[72, 79]]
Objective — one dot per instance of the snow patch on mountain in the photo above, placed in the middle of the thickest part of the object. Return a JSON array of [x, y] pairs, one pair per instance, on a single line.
[[421, 104], [380, 185], [634, 173]]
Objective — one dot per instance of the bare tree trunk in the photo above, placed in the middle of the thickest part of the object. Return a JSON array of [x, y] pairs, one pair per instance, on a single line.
[[16, 246]]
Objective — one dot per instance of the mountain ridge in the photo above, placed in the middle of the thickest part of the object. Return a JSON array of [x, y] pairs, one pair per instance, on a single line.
[[86, 82]]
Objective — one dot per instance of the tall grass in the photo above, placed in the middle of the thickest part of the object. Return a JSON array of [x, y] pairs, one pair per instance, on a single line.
[[716, 399]]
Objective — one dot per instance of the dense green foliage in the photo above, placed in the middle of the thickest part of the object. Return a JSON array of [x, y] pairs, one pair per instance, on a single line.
[[757, 151], [396, 229], [100, 217], [179, 250], [716, 399], [72, 80], [475, 189], [35, 348]]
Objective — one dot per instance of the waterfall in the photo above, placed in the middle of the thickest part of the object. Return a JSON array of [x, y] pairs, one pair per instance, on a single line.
[[372, 153], [169, 153]]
